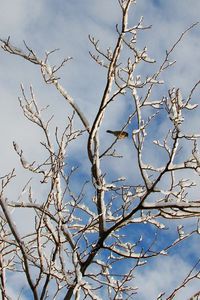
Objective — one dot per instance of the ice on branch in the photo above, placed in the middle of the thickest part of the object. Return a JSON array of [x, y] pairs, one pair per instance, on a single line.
[[175, 105]]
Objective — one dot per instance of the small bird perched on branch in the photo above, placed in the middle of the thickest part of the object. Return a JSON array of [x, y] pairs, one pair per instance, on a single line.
[[119, 134]]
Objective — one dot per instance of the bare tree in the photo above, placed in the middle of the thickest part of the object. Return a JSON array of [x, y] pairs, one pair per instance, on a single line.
[[81, 238]]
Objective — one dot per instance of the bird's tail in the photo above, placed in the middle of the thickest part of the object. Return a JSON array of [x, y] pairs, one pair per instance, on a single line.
[[110, 131]]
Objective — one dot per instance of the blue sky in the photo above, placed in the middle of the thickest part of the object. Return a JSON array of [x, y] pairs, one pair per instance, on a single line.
[[48, 24]]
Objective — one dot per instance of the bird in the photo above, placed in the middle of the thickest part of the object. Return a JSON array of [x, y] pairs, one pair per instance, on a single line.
[[119, 134]]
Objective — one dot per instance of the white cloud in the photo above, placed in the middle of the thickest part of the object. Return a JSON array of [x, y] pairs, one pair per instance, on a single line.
[[164, 275], [16, 17]]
